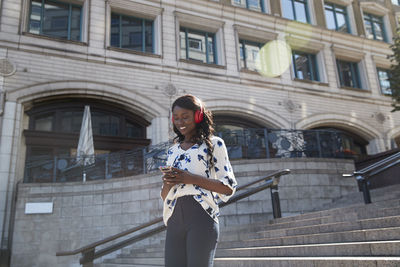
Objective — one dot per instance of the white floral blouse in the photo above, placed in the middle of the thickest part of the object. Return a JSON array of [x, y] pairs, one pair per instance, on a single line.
[[195, 161]]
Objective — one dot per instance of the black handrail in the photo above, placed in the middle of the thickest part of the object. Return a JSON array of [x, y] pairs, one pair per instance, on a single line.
[[362, 176], [89, 254]]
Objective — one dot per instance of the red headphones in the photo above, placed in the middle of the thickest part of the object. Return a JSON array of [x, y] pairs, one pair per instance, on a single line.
[[198, 115]]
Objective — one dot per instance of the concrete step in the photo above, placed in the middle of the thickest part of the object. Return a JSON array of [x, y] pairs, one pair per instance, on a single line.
[[153, 261], [392, 233], [308, 262], [374, 223], [372, 248]]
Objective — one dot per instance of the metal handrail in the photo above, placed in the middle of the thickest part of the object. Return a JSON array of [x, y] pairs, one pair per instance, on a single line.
[[362, 176], [89, 253]]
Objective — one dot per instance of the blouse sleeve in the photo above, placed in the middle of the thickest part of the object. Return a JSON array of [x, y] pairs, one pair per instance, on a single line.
[[223, 169]]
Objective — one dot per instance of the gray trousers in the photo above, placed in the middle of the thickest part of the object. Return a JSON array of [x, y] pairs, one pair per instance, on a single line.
[[192, 236]]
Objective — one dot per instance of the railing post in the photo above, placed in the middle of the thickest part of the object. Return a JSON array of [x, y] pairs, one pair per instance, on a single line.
[[106, 167], [266, 143], [364, 188], [55, 169], [276, 204], [319, 145], [144, 160], [87, 258]]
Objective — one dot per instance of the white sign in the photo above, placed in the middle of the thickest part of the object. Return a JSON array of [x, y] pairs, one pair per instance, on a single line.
[[39, 208]]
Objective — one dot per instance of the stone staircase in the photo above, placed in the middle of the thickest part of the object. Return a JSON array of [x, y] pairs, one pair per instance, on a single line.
[[354, 235]]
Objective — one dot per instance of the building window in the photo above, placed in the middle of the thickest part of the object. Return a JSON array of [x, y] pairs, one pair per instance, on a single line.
[[305, 66], [198, 46], [336, 18], [248, 54], [56, 19], [257, 5], [348, 74], [295, 10], [374, 27], [383, 76], [132, 33]]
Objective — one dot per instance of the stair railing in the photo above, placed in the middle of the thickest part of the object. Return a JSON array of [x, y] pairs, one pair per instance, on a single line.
[[89, 253], [364, 175]]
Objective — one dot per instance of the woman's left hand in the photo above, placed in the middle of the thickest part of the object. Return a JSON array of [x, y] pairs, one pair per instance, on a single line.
[[177, 176]]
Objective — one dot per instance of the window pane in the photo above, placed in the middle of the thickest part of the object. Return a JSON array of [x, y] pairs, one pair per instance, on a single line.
[[197, 49], [76, 24], [36, 9], [300, 10], [183, 44], [378, 27], [341, 21], [210, 49], [287, 9], [55, 22], [252, 56], [384, 82], [44, 123], [330, 20], [348, 72], [134, 130], [242, 63], [131, 33], [115, 30], [254, 4], [149, 36], [241, 3], [368, 28]]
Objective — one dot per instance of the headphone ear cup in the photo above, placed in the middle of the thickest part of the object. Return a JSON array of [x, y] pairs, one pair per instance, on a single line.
[[198, 116], [172, 119]]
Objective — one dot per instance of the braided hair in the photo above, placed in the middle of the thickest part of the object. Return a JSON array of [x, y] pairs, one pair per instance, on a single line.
[[204, 129]]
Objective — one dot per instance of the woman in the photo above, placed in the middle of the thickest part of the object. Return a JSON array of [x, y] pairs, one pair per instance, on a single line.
[[198, 174]]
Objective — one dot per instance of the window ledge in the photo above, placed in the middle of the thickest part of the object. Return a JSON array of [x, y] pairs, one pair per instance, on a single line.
[[311, 82], [249, 71], [355, 89], [202, 63], [54, 39], [130, 51]]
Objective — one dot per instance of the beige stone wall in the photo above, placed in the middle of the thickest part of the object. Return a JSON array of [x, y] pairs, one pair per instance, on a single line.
[[87, 212]]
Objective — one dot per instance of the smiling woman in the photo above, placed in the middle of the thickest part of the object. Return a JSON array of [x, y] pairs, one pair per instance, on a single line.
[[200, 175]]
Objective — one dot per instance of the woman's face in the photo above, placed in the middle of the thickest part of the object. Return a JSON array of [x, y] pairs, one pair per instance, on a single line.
[[184, 121]]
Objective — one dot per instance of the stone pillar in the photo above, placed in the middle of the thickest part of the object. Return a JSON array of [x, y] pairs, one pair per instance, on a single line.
[[160, 130], [10, 134]]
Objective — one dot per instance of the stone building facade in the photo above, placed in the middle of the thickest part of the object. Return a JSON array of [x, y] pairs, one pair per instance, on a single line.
[[130, 58]]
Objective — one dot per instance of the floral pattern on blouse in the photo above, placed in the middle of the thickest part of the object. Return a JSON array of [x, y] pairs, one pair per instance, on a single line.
[[195, 160]]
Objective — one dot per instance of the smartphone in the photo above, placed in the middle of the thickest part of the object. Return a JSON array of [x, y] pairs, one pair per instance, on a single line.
[[165, 168]]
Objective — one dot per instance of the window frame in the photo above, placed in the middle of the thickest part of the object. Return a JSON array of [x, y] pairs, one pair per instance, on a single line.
[[370, 17], [312, 62], [307, 10], [346, 14], [243, 42], [206, 35], [262, 3], [143, 32], [355, 74], [70, 5], [378, 69]]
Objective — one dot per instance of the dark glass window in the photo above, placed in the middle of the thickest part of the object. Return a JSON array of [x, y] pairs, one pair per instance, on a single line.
[[249, 54], [44, 122], [132, 33], [305, 66], [198, 46], [55, 19], [336, 17], [374, 27], [384, 82], [348, 74], [251, 4], [295, 10]]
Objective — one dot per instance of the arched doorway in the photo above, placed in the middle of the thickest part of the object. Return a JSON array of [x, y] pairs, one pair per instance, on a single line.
[[54, 127], [351, 144], [244, 137]]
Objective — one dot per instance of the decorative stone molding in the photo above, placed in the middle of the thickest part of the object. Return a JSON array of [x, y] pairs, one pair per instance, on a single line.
[[381, 62], [374, 8], [197, 22], [304, 44], [7, 68], [254, 34], [134, 8], [347, 54]]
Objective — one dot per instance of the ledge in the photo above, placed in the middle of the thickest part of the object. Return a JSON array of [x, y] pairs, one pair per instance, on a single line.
[[202, 63], [135, 52], [311, 82], [54, 39]]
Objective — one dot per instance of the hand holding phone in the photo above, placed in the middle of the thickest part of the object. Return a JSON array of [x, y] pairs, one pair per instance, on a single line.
[[165, 169]]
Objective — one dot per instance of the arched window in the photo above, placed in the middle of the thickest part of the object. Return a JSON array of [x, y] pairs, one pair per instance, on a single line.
[[54, 129]]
